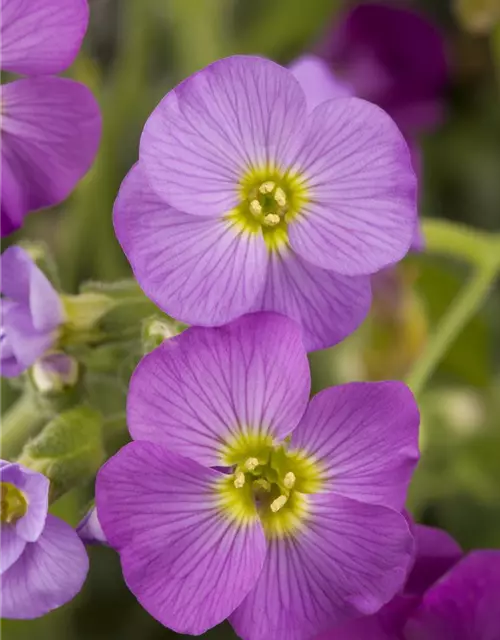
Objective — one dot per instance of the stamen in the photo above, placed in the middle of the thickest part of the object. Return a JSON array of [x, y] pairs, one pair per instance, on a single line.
[[267, 187], [289, 480], [272, 219], [280, 197], [262, 483], [251, 464], [277, 504], [255, 208], [239, 480]]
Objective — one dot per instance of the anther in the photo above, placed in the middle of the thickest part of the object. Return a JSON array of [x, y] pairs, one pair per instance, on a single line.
[[239, 480], [289, 480], [272, 219], [280, 197], [251, 464], [277, 504], [267, 187], [255, 208]]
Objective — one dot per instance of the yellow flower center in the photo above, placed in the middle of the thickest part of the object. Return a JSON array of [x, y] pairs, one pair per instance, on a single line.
[[270, 200], [14, 503], [271, 483]]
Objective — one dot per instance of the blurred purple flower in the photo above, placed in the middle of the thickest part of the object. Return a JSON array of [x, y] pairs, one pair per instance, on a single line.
[[50, 127], [435, 553], [43, 562], [90, 530], [394, 57], [304, 532], [31, 312], [245, 200], [463, 605]]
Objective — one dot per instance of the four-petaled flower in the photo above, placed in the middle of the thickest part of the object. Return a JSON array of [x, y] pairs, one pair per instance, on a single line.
[[50, 127], [32, 312], [238, 497], [247, 199], [43, 561]]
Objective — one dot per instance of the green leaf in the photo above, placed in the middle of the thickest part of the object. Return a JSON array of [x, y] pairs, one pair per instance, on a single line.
[[69, 449]]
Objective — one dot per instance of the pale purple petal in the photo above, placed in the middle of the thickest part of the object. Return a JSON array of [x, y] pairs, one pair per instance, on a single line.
[[13, 201], [464, 604], [11, 546], [199, 390], [328, 306], [236, 114], [49, 573], [187, 562], [436, 553], [362, 211], [23, 281], [200, 271], [364, 438], [348, 560], [318, 81], [41, 36], [90, 529], [50, 134]]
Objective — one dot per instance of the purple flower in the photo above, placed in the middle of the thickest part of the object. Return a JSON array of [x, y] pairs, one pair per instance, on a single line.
[[90, 530], [393, 57], [245, 199], [463, 605], [304, 529], [435, 553], [50, 126], [31, 312], [43, 562]]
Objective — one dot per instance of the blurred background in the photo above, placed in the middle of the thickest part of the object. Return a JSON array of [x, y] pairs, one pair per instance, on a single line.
[[134, 52]]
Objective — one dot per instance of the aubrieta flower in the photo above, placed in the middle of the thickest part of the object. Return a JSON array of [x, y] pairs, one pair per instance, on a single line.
[[435, 553], [31, 312], [43, 561], [50, 127], [238, 497], [247, 199], [394, 57]]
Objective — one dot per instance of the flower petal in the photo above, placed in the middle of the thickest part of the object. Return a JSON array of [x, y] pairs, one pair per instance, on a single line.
[[349, 560], [364, 437], [23, 281], [362, 211], [328, 306], [436, 553], [464, 604], [318, 81], [90, 529], [236, 114], [36, 488], [200, 390], [41, 37], [49, 573], [12, 546], [13, 201], [200, 271], [50, 134], [188, 564]]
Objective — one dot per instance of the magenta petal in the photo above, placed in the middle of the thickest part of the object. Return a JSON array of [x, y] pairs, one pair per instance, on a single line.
[[318, 81], [49, 573], [41, 37], [50, 134], [199, 390], [364, 437], [348, 559], [184, 559], [362, 209], [327, 306], [464, 604], [200, 271], [13, 201], [436, 553], [236, 114]]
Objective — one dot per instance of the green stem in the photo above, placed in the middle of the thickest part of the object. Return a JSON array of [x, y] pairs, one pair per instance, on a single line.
[[455, 319], [21, 422]]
